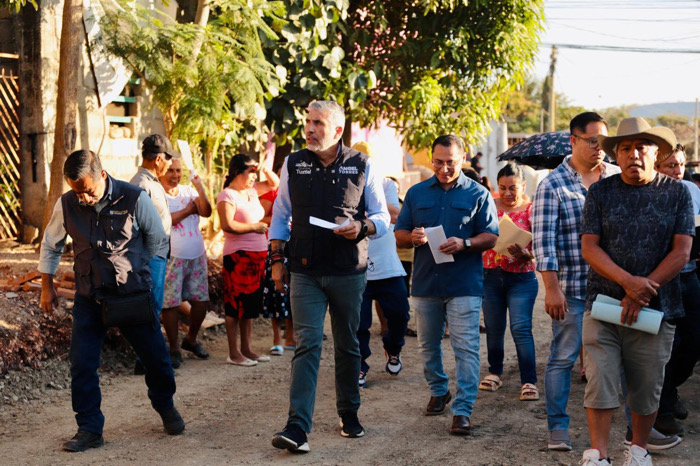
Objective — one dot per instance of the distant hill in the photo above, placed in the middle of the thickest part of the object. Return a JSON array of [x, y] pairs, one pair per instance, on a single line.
[[655, 110]]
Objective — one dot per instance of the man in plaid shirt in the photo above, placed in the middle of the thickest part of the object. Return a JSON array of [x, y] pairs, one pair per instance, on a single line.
[[556, 221]]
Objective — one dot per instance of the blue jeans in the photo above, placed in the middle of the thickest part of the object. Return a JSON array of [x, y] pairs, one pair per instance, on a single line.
[[390, 293], [513, 294], [563, 352], [462, 314], [158, 267], [85, 350], [310, 297]]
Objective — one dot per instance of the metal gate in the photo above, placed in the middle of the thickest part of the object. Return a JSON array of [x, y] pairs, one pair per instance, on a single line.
[[9, 147]]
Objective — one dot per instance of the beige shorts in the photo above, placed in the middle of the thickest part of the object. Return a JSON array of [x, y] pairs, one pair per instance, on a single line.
[[608, 349]]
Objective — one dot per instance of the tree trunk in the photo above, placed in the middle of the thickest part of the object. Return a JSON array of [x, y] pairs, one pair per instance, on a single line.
[[201, 18], [69, 70]]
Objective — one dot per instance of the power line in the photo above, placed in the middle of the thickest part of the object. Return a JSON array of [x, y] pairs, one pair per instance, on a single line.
[[630, 20], [669, 39], [613, 48]]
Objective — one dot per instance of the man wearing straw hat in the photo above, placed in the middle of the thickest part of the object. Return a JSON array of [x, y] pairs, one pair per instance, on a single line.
[[636, 234]]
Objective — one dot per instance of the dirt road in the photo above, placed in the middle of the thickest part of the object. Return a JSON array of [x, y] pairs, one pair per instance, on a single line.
[[232, 412]]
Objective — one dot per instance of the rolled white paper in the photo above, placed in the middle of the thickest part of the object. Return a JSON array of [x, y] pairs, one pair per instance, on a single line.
[[608, 309]]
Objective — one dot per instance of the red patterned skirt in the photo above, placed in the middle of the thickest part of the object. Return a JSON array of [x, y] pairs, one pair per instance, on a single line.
[[243, 273]]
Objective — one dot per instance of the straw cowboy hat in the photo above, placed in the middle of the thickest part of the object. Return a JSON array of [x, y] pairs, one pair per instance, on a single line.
[[638, 128]]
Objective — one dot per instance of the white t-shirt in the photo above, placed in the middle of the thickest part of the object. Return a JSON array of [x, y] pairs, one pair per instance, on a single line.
[[383, 259], [185, 237]]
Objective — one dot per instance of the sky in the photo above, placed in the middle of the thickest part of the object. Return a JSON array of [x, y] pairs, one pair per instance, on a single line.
[[597, 79]]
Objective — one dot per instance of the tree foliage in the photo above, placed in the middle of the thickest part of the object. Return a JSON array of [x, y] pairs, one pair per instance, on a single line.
[[427, 66], [215, 95], [523, 108], [17, 5]]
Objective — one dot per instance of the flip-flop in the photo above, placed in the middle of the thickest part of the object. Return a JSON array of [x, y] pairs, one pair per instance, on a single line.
[[277, 350], [490, 383], [290, 347], [246, 363], [263, 358]]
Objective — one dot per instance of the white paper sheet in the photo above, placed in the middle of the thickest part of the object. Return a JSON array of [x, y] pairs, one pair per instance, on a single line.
[[186, 154], [509, 233], [319, 222], [436, 238]]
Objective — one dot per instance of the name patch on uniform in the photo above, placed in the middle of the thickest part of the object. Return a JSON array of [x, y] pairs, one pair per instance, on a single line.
[[348, 170], [303, 168], [118, 212]]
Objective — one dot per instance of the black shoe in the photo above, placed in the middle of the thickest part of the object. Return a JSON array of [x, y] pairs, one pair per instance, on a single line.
[[175, 359], [411, 333], [139, 368], [679, 409], [84, 440], [350, 426], [461, 425], [197, 349], [172, 421], [438, 404], [667, 425], [292, 438]]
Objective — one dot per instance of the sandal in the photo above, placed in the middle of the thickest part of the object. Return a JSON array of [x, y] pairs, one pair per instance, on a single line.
[[529, 392], [491, 383], [277, 350]]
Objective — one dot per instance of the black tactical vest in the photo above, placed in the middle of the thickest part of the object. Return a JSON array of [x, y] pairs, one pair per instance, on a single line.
[[111, 256], [333, 193]]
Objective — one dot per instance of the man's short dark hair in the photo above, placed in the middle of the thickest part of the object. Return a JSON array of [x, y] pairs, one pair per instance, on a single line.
[[448, 140], [82, 163], [580, 121]]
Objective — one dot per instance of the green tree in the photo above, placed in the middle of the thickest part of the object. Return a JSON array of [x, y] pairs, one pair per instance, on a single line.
[[209, 80], [427, 66]]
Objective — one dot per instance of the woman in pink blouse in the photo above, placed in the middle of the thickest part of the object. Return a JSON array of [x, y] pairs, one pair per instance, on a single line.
[[245, 250], [510, 289]]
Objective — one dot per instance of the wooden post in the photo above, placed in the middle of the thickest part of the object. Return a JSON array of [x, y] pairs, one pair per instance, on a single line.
[[69, 72]]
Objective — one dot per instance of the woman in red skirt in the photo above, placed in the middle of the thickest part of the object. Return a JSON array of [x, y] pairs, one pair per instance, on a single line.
[[245, 250]]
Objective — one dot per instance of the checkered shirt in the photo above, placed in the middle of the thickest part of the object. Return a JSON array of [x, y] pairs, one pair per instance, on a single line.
[[556, 220]]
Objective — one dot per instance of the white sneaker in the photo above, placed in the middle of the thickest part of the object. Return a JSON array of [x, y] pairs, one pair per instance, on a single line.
[[592, 458], [637, 456]]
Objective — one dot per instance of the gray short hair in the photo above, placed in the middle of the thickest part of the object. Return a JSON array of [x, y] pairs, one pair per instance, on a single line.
[[82, 163], [336, 113]]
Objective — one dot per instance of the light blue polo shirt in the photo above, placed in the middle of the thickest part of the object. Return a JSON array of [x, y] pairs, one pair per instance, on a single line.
[[465, 210]]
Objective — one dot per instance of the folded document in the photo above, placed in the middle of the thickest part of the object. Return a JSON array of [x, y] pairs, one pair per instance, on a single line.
[[608, 309]]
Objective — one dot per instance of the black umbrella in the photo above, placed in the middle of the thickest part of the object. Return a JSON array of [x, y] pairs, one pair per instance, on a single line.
[[544, 150]]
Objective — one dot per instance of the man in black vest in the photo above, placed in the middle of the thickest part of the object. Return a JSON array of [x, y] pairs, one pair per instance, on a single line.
[[115, 230], [336, 201]]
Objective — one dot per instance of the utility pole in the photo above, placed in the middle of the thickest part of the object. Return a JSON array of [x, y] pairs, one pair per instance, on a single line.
[[695, 156], [552, 103]]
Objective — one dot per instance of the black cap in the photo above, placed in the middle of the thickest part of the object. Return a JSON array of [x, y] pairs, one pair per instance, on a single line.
[[159, 144]]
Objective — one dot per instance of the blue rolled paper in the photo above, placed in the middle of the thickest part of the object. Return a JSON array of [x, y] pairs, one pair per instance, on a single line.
[[608, 309]]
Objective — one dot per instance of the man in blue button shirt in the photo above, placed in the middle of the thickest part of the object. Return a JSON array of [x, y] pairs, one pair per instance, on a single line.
[[450, 291]]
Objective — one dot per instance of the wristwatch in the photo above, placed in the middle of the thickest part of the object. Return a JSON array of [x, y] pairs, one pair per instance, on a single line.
[[363, 230], [467, 243]]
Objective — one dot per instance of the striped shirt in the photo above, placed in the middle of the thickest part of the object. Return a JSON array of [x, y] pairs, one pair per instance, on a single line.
[[556, 222]]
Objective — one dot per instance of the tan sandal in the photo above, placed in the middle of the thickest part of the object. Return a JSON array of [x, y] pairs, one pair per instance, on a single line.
[[491, 383], [529, 392]]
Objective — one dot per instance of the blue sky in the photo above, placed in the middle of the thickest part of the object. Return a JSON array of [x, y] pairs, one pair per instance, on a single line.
[[596, 78]]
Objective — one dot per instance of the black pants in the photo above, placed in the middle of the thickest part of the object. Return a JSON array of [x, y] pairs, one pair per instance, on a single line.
[[686, 345]]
